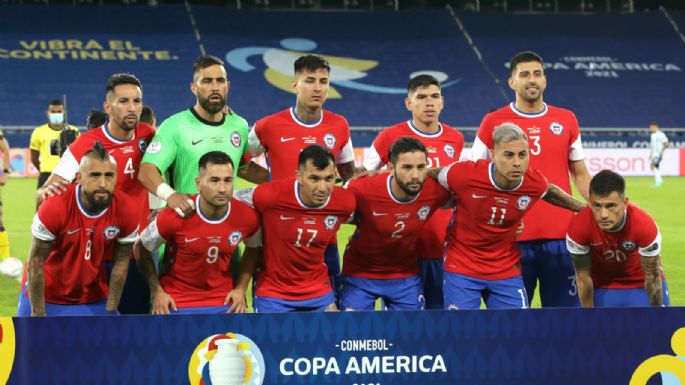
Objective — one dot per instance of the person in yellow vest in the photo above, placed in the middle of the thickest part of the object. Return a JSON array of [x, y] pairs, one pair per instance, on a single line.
[[9, 266], [45, 142]]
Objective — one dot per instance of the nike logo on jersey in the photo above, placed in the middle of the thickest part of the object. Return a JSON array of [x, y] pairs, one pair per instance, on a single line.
[[191, 239], [476, 196], [74, 231], [286, 139], [375, 214], [194, 142], [284, 218]]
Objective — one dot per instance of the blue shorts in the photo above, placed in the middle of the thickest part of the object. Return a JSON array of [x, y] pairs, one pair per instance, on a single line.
[[432, 279], [51, 309], [627, 297], [277, 305], [202, 310], [548, 261], [462, 292], [397, 294], [135, 299]]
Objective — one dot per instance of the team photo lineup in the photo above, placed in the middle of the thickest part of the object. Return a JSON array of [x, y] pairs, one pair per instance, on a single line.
[[138, 218]]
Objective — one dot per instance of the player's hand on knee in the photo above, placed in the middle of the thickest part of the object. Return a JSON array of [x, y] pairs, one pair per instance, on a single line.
[[182, 204], [332, 307], [236, 298], [162, 302]]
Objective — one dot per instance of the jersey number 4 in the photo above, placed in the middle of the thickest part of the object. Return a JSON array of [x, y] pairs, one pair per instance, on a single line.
[[129, 169]]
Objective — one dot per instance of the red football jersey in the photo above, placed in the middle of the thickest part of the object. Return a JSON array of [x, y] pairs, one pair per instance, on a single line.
[[74, 269], [444, 147], [554, 138], [482, 243], [199, 251], [384, 246], [295, 237], [127, 153], [283, 136], [615, 254]]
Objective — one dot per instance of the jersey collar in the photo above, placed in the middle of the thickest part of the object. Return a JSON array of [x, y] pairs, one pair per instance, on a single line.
[[108, 135], [396, 199], [491, 170], [518, 112], [303, 123], [207, 122], [82, 208], [299, 200], [208, 219], [424, 134]]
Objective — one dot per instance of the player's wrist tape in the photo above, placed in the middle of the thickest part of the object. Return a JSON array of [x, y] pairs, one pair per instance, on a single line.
[[164, 191]]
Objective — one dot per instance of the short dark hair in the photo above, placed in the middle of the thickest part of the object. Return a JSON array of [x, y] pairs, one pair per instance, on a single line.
[[421, 81], [320, 157], [98, 152], [56, 102], [95, 118], [205, 61], [122, 78], [524, 57], [214, 157], [311, 63], [404, 145], [147, 115], [606, 182]]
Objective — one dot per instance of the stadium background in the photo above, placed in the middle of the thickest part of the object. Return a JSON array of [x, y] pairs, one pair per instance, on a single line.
[[617, 64]]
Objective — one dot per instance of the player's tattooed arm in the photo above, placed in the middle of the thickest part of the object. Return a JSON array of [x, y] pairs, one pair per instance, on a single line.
[[583, 265], [558, 197], [252, 172], [653, 285], [161, 301], [347, 170], [117, 279], [36, 275]]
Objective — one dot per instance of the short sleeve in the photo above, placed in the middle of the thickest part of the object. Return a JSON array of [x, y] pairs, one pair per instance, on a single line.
[[255, 144], [245, 195], [34, 143], [40, 230], [67, 167], [150, 238], [162, 150], [444, 176], [372, 160], [346, 154], [649, 238], [577, 238]]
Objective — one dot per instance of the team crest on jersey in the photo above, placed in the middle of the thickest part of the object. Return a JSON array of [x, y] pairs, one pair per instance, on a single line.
[[330, 222], [235, 238], [111, 232], [329, 140], [142, 145], [449, 151], [556, 128], [423, 212], [236, 140], [523, 202], [154, 147], [629, 245]]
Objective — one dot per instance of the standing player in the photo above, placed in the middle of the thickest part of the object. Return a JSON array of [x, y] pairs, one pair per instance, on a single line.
[[126, 139], [299, 217], [381, 259], [184, 137], [657, 145], [72, 234], [9, 266], [616, 249], [284, 134], [444, 145], [200, 246], [556, 151], [482, 260]]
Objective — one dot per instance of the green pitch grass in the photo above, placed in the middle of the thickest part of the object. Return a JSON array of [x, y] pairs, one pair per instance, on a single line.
[[663, 204]]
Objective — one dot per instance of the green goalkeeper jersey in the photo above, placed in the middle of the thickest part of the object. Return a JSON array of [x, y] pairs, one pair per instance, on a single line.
[[184, 137]]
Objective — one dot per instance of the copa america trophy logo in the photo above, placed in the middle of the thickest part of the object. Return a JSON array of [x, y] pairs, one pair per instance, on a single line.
[[226, 359]]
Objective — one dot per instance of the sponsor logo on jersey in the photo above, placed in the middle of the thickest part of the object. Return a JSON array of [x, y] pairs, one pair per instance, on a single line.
[[629, 245], [235, 238], [309, 139], [556, 128], [330, 222], [449, 151], [431, 150], [502, 201], [236, 140], [214, 239], [154, 147], [523, 202], [329, 140], [126, 149], [142, 145], [111, 232], [423, 212]]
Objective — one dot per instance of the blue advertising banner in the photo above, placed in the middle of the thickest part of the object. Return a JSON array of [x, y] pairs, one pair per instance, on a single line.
[[543, 346]]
